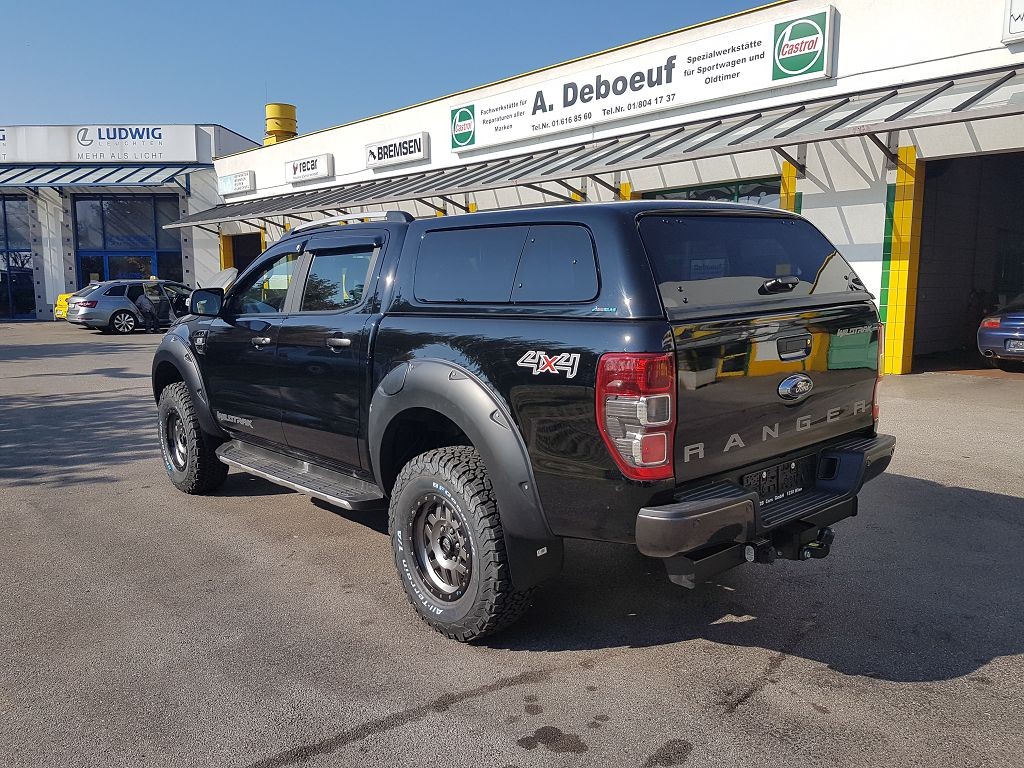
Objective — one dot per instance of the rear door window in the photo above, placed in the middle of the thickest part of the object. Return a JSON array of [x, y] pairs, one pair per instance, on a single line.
[[337, 279], [475, 266], [542, 263], [557, 265], [704, 261]]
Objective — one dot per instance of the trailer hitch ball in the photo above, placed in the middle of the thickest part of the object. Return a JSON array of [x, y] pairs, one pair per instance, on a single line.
[[820, 547]]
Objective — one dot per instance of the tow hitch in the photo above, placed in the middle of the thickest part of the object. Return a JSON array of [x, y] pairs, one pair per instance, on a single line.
[[820, 547], [802, 541], [792, 545]]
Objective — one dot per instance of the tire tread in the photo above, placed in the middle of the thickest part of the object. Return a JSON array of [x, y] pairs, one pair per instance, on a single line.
[[500, 603], [207, 472]]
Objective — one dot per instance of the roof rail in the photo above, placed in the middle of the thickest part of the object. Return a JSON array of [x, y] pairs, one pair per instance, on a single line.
[[401, 216]]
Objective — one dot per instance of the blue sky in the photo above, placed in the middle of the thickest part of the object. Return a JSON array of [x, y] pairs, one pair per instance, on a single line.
[[194, 61]]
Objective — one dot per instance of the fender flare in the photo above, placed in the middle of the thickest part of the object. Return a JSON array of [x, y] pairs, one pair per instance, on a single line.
[[534, 553], [178, 352]]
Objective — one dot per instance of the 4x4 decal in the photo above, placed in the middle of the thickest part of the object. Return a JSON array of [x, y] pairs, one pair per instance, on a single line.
[[542, 362]]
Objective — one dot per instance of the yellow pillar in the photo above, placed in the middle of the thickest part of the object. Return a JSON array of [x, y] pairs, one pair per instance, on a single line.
[[227, 251], [900, 257], [788, 196]]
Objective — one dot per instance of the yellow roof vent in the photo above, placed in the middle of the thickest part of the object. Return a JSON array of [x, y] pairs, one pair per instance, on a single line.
[[281, 123]]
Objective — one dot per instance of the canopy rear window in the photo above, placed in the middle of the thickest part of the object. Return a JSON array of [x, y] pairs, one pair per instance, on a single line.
[[703, 260]]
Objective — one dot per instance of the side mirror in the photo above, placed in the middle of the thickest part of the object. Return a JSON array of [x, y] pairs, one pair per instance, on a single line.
[[206, 302]]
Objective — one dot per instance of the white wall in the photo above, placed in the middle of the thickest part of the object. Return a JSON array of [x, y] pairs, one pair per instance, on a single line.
[[844, 195], [205, 246], [880, 43]]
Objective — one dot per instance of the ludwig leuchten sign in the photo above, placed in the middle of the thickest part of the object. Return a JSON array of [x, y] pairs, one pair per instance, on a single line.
[[769, 55], [306, 168], [404, 149], [145, 143]]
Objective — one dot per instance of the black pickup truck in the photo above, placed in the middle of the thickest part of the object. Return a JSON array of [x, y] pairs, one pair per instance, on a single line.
[[695, 379]]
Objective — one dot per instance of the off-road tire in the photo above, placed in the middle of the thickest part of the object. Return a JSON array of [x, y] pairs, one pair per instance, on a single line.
[[123, 321], [489, 601], [191, 462]]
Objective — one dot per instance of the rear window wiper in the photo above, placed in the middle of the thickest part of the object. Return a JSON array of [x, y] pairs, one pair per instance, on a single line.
[[779, 285]]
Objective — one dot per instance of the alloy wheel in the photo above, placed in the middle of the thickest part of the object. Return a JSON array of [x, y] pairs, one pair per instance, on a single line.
[[177, 441], [124, 322], [442, 544]]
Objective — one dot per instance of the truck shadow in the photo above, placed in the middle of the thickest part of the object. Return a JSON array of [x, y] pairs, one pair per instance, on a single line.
[[919, 587]]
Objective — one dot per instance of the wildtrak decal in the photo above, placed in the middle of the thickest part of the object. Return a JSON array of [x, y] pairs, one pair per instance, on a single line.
[[227, 418]]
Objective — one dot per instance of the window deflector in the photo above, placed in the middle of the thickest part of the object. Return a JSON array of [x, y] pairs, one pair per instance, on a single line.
[[329, 243]]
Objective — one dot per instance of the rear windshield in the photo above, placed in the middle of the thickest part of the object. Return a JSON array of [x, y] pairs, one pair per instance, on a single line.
[[714, 260], [1014, 305], [87, 290]]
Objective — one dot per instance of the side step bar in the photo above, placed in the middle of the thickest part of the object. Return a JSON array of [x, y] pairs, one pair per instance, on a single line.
[[302, 476]]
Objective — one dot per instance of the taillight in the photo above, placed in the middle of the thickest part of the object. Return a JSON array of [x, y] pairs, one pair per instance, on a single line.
[[878, 376], [636, 412], [86, 304], [990, 322]]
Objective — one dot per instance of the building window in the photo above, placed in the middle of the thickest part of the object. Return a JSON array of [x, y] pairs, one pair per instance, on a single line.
[[17, 295], [122, 236], [754, 192]]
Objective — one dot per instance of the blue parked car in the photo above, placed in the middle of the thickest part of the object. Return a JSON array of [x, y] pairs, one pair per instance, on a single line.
[[1001, 336]]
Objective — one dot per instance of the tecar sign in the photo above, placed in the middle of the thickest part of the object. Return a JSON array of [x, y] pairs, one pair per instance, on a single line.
[[306, 168], [768, 55]]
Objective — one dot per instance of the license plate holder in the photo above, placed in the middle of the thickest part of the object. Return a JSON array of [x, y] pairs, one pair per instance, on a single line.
[[1015, 345], [783, 480]]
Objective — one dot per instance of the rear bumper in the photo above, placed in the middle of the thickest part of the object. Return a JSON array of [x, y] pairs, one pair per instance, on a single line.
[[992, 342], [721, 514]]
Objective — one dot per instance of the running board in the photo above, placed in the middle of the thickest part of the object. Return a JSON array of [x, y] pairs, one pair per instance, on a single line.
[[302, 476]]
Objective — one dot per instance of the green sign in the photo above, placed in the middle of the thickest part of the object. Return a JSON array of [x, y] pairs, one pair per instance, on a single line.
[[799, 47], [463, 126]]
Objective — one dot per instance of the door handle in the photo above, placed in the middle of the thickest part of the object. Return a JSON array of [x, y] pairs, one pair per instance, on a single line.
[[338, 342], [260, 341]]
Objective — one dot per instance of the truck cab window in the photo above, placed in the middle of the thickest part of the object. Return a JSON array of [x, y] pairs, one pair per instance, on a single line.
[[337, 279], [266, 290]]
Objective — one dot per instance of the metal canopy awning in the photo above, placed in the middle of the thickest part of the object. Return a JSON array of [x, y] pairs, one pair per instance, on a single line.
[[875, 114], [85, 175]]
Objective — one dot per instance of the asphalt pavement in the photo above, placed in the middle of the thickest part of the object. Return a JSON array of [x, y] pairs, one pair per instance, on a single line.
[[143, 627]]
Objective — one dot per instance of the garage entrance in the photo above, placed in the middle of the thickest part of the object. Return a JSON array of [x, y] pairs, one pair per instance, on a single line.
[[972, 254]]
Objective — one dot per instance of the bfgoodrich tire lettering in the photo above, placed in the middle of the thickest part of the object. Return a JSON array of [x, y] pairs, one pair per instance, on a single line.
[[189, 453], [475, 598]]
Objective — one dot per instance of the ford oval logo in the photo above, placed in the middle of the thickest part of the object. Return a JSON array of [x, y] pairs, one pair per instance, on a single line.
[[796, 386]]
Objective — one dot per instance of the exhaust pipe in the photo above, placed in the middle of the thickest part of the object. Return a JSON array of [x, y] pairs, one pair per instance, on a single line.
[[988, 353]]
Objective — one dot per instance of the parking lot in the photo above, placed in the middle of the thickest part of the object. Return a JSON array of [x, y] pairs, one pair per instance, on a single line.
[[142, 627]]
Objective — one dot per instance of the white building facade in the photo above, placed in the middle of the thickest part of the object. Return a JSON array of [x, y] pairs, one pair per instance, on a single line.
[[897, 128], [89, 202]]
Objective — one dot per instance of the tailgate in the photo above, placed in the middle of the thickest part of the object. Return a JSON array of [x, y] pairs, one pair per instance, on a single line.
[[753, 388], [776, 337]]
